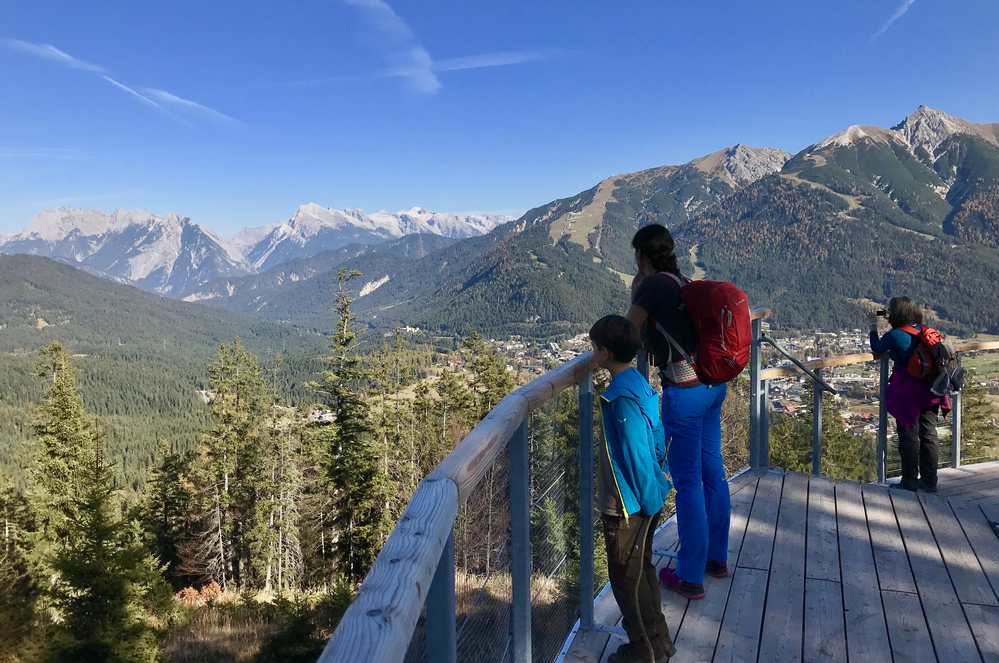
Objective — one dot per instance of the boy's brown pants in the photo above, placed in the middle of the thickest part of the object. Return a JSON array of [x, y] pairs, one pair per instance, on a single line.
[[634, 582]]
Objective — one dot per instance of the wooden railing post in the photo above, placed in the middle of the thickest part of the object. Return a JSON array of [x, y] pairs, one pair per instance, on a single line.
[[520, 546], [881, 451], [441, 643], [756, 457], [817, 425], [955, 436], [586, 501]]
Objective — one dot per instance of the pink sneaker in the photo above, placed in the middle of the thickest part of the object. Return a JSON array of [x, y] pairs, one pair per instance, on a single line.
[[673, 582]]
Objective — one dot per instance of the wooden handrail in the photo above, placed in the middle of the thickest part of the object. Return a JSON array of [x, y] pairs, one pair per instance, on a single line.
[[863, 358], [379, 623]]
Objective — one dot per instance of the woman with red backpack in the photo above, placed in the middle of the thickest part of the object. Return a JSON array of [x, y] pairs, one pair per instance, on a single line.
[[691, 412], [907, 397]]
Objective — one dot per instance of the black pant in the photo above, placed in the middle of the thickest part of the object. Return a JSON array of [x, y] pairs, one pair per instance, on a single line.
[[917, 445], [634, 581]]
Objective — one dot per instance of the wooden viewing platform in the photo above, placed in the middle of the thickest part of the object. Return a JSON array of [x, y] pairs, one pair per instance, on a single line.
[[822, 570], [825, 570]]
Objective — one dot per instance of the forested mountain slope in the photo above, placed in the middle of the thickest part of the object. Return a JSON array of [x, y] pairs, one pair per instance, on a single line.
[[142, 357]]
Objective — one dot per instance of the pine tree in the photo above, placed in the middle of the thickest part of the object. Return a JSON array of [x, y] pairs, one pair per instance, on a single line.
[[167, 508], [276, 540], [17, 591], [228, 467], [94, 571], [355, 478]]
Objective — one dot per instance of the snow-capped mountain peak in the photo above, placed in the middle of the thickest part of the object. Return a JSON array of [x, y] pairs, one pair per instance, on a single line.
[[166, 254]]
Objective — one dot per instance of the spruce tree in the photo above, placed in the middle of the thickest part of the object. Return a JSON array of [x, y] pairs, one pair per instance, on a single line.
[[17, 591], [358, 520], [276, 539], [97, 579], [167, 509], [228, 467]]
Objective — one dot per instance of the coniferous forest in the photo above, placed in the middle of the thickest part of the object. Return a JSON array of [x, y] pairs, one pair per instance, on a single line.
[[243, 534]]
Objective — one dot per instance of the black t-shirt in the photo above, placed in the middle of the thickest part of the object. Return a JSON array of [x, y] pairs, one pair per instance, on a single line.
[[659, 295]]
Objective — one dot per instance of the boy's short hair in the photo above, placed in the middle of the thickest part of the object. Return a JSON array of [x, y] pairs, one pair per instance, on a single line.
[[618, 335]]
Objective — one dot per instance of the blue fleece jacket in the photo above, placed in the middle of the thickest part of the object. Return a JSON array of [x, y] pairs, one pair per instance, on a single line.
[[897, 344], [636, 443]]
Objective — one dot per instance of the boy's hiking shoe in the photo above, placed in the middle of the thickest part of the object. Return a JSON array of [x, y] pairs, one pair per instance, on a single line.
[[674, 583], [631, 652], [716, 569], [927, 488], [899, 485]]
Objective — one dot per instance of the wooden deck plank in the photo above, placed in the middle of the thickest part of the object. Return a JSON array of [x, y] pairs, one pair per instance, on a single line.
[[910, 636], [758, 545], [867, 634], [966, 573], [701, 624], [587, 647], [783, 617], [983, 540], [985, 625], [892, 562], [825, 632], [952, 638], [739, 638], [822, 559]]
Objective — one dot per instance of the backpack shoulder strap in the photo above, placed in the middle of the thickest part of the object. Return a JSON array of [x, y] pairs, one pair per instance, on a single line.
[[909, 329], [673, 343]]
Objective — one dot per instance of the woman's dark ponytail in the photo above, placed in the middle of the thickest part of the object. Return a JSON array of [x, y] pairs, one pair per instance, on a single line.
[[656, 244]]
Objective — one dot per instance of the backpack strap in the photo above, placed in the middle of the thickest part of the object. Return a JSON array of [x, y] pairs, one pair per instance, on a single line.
[[680, 281], [909, 329], [674, 344]]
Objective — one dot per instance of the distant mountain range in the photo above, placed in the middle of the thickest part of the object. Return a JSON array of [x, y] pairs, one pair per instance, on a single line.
[[173, 256], [860, 216]]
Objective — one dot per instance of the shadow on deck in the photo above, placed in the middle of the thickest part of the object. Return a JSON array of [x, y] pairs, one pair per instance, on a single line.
[[827, 570]]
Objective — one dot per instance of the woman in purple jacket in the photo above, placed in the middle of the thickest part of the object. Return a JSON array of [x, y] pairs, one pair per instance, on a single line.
[[915, 408]]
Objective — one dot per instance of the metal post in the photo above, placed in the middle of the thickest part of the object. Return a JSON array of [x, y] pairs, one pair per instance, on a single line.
[[586, 501], [441, 643], [817, 426], [955, 435], [756, 458], [882, 448], [520, 545], [765, 419]]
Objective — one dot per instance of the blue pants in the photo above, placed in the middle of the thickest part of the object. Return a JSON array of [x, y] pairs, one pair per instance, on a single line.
[[692, 418]]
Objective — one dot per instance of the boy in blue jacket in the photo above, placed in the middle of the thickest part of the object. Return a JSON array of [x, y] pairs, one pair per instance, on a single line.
[[633, 490]]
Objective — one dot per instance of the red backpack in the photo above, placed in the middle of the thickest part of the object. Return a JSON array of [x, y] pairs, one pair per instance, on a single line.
[[719, 312]]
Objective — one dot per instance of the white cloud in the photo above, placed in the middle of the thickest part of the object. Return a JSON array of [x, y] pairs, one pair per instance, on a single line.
[[187, 104], [407, 57], [498, 59], [151, 97], [50, 52], [899, 13], [141, 97]]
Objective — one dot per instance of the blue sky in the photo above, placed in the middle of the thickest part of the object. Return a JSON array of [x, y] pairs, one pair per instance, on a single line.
[[233, 113]]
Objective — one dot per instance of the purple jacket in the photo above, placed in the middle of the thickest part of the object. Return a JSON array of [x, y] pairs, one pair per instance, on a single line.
[[907, 397]]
